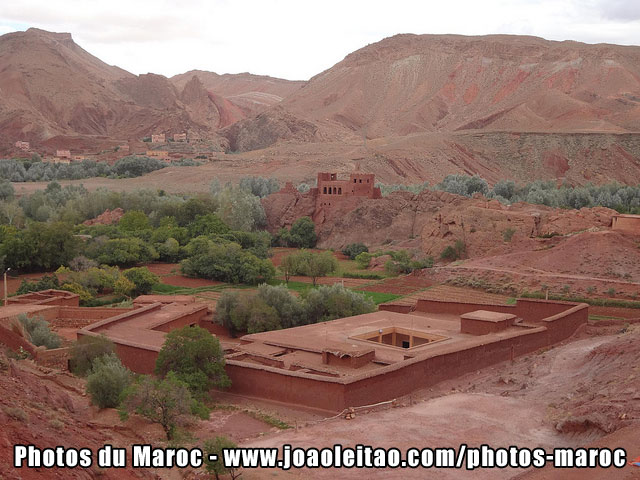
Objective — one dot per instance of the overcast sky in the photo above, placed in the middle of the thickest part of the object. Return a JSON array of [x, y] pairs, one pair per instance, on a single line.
[[296, 39]]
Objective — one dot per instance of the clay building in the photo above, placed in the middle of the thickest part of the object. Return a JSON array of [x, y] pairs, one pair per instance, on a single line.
[[63, 154], [157, 154], [158, 138], [380, 356], [179, 137], [24, 146], [330, 366], [626, 223]]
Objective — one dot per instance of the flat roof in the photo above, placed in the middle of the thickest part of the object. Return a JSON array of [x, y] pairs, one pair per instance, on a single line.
[[487, 316]]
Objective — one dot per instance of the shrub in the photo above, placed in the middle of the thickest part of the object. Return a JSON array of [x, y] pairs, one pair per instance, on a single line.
[[38, 331], [363, 259], [354, 249], [226, 262], [195, 357], [301, 235], [107, 381], [335, 301], [17, 414], [142, 278], [166, 401], [507, 235], [454, 252], [215, 446], [86, 350]]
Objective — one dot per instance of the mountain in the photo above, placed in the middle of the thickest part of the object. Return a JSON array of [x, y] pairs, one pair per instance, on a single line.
[[500, 106], [409, 108], [424, 83], [55, 94], [251, 94]]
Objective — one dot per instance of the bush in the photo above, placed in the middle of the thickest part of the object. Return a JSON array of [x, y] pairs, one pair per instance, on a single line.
[[507, 235], [226, 262], [86, 350], [195, 357], [167, 402], [454, 252], [301, 235], [107, 381], [216, 446], [335, 301], [364, 276], [354, 249], [38, 331], [363, 259], [272, 308], [142, 279]]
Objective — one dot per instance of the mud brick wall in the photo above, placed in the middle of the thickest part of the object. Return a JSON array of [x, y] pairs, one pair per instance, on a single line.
[[56, 358]]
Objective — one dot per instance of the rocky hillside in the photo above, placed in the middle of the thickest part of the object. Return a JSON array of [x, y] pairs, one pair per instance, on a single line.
[[54, 94]]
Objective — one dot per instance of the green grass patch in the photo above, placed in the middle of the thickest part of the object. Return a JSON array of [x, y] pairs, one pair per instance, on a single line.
[[596, 318], [364, 276], [379, 297], [511, 301]]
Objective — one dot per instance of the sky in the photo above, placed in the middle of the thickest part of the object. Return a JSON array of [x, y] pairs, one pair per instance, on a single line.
[[295, 39]]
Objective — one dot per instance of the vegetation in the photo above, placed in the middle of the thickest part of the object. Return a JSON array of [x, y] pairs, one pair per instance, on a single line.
[[259, 186], [35, 170], [301, 235], [227, 262], [623, 198], [454, 252], [354, 249], [167, 402], [107, 381], [38, 332], [86, 350], [309, 264], [274, 307], [507, 235], [215, 446], [195, 358]]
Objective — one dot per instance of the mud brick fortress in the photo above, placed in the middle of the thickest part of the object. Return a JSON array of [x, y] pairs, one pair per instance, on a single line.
[[407, 345]]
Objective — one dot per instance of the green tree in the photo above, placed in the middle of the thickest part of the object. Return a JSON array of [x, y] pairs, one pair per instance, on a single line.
[[166, 401], [195, 356], [363, 259], [215, 446], [226, 261], [107, 381], [303, 233], [335, 301], [289, 266], [142, 278], [134, 221], [124, 251], [316, 265], [209, 224]]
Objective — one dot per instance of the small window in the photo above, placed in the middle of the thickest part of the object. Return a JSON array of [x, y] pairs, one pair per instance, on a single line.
[[325, 190], [367, 180], [354, 180], [340, 191], [360, 180]]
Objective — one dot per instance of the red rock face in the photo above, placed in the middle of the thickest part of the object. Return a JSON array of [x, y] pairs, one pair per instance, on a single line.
[[109, 217]]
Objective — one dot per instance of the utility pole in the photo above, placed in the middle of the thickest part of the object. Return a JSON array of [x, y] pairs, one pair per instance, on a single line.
[[5, 286]]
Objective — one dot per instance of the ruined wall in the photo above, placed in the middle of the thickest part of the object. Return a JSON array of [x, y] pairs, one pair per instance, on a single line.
[[55, 358], [626, 224]]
